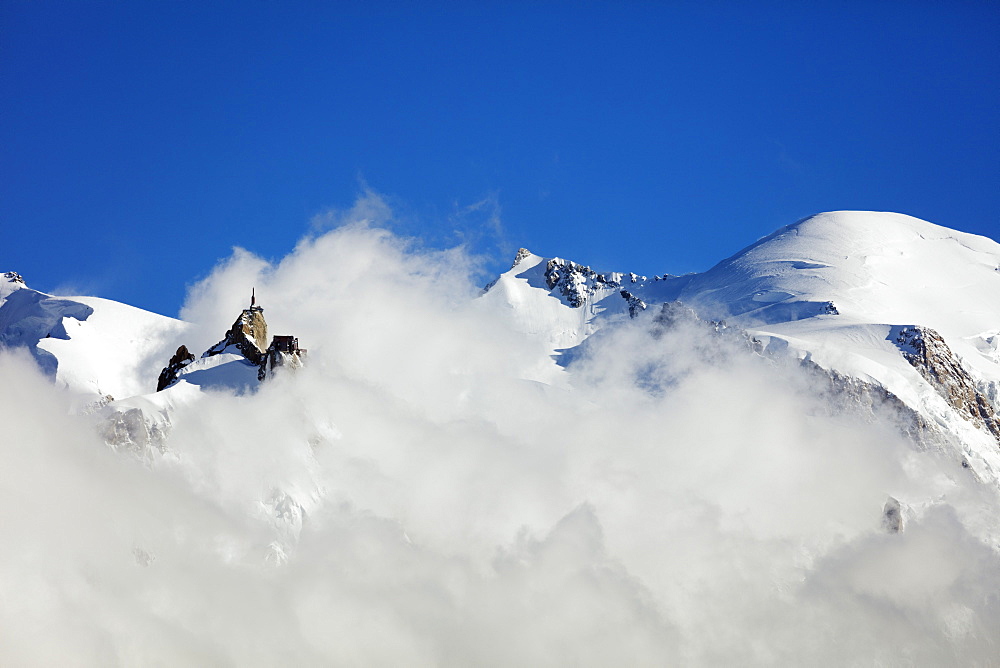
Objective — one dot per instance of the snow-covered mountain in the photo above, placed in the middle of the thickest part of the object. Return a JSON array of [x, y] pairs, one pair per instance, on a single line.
[[92, 346], [799, 446], [115, 361], [886, 299]]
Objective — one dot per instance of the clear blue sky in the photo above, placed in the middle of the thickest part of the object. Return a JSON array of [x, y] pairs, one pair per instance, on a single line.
[[140, 141]]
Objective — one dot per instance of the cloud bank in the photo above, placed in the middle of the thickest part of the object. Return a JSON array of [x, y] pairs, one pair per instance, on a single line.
[[432, 490]]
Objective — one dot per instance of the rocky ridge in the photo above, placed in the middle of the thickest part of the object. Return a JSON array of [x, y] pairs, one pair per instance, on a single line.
[[931, 356], [577, 282], [245, 344]]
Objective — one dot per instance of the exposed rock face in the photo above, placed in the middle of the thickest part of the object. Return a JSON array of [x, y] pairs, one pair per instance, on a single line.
[[576, 282], [248, 334], [521, 254], [892, 516], [675, 313], [247, 338], [930, 355], [870, 400], [635, 305], [130, 431], [95, 406], [13, 277], [143, 557], [168, 376], [847, 395]]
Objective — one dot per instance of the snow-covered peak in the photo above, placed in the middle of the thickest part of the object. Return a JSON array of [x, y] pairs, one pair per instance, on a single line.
[[872, 266], [9, 282], [93, 346], [835, 290], [555, 299], [522, 254]]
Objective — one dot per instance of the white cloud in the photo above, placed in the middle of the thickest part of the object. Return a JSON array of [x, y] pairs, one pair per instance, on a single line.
[[670, 500]]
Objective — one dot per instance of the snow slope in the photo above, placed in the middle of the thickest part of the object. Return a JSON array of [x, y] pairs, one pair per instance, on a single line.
[[93, 346], [874, 267], [835, 288], [228, 370], [537, 311], [870, 266]]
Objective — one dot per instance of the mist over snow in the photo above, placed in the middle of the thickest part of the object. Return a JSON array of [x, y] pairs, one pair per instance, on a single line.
[[432, 489]]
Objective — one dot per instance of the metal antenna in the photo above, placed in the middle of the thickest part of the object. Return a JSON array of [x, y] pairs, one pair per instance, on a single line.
[[253, 297]]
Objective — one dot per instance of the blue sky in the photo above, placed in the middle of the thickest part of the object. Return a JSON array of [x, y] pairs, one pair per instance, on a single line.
[[140, 141]]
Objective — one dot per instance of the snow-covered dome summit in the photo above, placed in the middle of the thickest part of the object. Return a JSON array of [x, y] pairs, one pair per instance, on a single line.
[[890, 300], [874, 266], [861, 266]]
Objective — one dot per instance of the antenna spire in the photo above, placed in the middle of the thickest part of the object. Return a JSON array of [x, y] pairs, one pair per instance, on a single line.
[[253, 297]]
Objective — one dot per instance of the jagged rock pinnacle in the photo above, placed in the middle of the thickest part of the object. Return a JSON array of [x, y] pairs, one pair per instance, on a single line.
[[248, 334], [248, 338], [168, 376], [521, 254]]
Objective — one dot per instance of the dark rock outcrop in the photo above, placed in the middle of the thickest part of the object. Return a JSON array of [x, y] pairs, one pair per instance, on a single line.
[[892, 516], [168, 376], [635, 305], [248, 338], [676, 314], [928, 353], [576, 283], [871, 402]]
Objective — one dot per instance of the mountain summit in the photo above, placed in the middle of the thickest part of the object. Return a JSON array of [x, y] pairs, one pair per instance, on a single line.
[[893, 301], [800, 446], [242, 355]]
